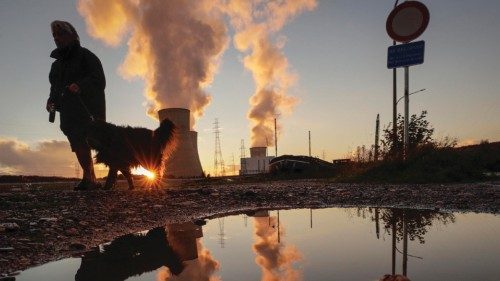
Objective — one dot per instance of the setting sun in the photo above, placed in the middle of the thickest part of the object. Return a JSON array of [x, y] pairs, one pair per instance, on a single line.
[[141, 171]]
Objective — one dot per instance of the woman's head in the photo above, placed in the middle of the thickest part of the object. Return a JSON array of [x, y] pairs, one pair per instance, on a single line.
[[64, 33]]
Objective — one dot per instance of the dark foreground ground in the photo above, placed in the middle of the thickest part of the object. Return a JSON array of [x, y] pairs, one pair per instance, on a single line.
[[41, 224]]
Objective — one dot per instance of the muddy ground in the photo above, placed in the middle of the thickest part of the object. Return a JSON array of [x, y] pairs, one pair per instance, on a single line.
[[40, 224]]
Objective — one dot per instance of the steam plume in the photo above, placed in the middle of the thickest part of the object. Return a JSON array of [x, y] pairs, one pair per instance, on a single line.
[[256, 22], [173, 45], [274, 258]]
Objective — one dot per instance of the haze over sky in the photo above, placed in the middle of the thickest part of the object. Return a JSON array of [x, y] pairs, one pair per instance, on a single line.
[[338, 52]]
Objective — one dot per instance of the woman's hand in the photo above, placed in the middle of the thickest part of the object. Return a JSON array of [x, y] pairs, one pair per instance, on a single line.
[[74, 88]]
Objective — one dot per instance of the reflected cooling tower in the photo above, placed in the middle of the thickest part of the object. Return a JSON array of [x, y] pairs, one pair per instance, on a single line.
[[184, 161], [182, 238]]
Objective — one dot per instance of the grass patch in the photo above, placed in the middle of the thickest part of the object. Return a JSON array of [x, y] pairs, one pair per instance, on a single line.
[[430, 164]]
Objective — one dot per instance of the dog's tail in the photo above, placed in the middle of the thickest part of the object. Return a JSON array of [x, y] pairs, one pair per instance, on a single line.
[[166, 136]]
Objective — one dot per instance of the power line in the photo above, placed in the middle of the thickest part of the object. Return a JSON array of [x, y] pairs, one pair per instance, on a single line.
[[243, 167], [242, 149], [222, 234], [77, 170], [234, 166], [219, 169]]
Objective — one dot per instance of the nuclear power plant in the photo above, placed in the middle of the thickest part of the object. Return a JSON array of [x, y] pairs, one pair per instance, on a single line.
[[184, 162], [257, 163]]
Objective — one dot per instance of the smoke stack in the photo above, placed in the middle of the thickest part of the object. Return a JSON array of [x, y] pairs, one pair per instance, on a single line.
[[184, 162], [258, 151]]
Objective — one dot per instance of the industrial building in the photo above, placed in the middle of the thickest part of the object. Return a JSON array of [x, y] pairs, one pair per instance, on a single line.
[[257, 163], [184, 161], [299, 163]]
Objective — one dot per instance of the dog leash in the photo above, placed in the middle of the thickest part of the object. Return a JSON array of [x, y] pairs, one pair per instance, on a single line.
[[84, 106]]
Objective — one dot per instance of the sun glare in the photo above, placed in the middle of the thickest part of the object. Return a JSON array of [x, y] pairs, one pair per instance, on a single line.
[[141, 171]]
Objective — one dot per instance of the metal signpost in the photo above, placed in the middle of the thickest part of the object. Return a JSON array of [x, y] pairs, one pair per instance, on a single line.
[[405, 23]]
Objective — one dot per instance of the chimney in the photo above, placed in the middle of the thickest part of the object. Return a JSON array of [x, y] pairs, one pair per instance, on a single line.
[[258, 151], [184, 162]]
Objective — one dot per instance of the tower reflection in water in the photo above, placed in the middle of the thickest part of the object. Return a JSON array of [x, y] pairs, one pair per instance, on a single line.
[[185, 239], [404, 224], [175, 250]]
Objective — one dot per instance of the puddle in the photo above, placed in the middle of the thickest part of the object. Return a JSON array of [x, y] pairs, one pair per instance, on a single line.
[[320, 244]]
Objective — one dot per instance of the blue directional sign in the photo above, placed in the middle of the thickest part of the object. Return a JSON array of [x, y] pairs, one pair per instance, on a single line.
[[405, 54]]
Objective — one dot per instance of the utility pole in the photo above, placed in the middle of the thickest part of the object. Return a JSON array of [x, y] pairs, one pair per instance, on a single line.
[[309, 143], [394, 239], [311, 217], [405, 245], [275, 139], [407, 114], [394, 102], [267, 145], [279, 240], [377, 128]]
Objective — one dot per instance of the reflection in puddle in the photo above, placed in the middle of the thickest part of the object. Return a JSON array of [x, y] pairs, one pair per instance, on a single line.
[[273, 255], [198, 262], [175, 250], [404, 224], [130, 255], [344, 244]]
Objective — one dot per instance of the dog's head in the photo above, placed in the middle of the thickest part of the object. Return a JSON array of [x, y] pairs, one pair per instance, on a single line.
[[165, 134], [164, 140]]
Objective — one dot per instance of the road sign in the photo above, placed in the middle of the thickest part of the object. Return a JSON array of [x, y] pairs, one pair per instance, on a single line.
[[405, 54], [407, 21]]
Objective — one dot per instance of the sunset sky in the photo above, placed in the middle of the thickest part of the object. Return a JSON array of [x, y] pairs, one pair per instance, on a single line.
[[335, 78]]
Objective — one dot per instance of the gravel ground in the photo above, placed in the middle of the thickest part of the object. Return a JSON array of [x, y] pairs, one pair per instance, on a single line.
[[38, 225]]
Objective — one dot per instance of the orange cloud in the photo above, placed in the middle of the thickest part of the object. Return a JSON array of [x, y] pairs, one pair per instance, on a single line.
[[45, 158]]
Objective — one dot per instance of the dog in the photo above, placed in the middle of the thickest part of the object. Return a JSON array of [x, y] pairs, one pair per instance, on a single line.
[[122, 148]]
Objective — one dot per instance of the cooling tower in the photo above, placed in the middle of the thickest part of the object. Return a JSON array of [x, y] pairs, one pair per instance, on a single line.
[[258, 151], [184, 161]]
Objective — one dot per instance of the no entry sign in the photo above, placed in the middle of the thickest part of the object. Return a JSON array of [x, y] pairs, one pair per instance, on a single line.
[[407, 21]]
